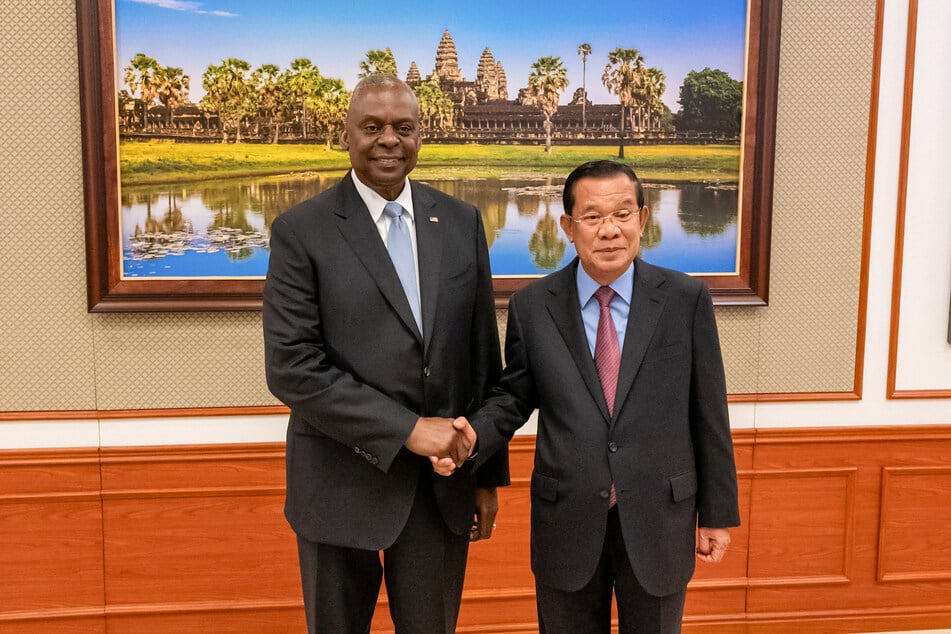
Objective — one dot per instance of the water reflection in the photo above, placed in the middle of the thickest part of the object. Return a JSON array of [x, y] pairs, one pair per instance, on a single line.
[[547, 244], [207, 229], [220, 228]]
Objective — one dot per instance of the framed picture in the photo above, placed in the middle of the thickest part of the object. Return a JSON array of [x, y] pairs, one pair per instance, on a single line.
[[201, 123]]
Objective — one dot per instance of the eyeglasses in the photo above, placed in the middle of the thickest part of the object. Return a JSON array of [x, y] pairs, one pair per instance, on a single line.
[[595, 220]]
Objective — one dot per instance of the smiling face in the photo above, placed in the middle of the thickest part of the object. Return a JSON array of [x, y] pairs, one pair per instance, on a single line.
[[382, 135], [607, 249]]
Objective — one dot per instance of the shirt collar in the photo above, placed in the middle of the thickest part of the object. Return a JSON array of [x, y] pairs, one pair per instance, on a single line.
[[375, 202], [623, 286]]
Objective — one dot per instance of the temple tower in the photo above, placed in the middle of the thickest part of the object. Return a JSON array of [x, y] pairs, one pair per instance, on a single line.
[[447, 60], [503, 82], [487, 78], [413, 77]]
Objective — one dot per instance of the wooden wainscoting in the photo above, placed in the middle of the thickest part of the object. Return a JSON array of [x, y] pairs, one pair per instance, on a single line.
[[195, 535], [844, 530], [51, 574]]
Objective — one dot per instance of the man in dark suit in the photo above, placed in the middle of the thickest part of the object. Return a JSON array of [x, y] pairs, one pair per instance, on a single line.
[[374, 359], [633, 453]]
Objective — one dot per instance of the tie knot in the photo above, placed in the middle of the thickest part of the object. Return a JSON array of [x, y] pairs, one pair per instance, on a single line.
[[393, 210], [604, 295]]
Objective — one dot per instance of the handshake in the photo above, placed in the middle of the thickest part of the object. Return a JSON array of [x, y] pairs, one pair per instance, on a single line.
[[447, 442]]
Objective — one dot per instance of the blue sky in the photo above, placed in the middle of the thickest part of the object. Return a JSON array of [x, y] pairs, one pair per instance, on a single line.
[[676, 36]]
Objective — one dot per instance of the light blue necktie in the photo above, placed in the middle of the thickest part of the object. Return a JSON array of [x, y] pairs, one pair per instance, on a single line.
[[400, 246]]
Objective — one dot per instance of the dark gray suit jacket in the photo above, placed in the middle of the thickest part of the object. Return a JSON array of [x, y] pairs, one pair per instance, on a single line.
[[343, 352], [667, 447]]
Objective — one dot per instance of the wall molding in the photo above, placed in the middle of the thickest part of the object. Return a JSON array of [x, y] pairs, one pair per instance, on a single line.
[[164, 538]]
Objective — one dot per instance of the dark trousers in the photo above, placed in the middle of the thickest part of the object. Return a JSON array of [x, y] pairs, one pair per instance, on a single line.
[[588, 611], [423, 571]]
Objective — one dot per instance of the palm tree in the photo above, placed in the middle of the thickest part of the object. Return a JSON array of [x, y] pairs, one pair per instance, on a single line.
[[435, 108], [654, 83], [171, 86], [140, 77], [126, 109], [622, 76], [584, 50], [227, 92], [301, 81], [267, 83], [546, 81], [378, 63], [329, 103]]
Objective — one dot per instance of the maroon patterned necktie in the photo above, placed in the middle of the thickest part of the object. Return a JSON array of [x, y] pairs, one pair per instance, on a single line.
[[607, 355]]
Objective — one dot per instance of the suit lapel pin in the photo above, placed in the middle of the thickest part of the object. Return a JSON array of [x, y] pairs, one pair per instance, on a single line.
[[433, 219]]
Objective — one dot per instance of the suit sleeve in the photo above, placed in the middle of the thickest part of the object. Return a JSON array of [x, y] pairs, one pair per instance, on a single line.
[[513, 400], [484, 340], [299, 372], [717, 504]]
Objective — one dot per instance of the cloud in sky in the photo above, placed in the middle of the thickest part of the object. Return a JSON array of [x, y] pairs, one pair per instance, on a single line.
[[181, 5]]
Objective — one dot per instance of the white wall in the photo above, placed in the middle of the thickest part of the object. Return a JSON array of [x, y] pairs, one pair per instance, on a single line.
[[924, 354]]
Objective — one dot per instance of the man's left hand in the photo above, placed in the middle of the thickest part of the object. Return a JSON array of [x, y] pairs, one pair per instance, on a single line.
[[487, 506], [712, 543], [443, 466]]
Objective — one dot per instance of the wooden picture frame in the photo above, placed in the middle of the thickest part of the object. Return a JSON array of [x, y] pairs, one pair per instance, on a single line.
[[108, 291]]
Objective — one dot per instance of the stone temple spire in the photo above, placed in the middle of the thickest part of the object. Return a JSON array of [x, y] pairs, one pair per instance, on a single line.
[[447, 60], [486, 63], [413, 77], [487, 77], [503, 82]]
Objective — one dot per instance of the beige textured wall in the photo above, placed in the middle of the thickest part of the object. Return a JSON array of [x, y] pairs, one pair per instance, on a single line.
[[804, 341], [46, 337], [56, 356]]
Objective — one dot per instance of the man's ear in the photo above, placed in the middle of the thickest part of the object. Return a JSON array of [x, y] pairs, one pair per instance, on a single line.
[[645, 217], [344, 140], [568, 226]]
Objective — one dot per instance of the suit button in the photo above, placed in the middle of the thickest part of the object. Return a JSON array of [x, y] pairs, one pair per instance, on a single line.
[[356, 450], [375, 460], [612, 447], [426, 371], [604, 493]]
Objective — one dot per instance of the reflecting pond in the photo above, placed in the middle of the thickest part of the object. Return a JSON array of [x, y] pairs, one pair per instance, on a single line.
[[219, 228]]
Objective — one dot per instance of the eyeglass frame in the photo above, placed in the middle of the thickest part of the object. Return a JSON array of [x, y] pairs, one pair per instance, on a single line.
[[581, 220]]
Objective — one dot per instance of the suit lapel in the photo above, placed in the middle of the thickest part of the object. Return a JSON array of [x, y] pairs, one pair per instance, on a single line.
[[429, 246], [647, 304], [357, 228], [565, 310]]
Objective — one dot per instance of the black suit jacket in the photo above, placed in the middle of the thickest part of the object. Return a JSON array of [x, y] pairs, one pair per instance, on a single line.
[[667, 447], [343, 352]]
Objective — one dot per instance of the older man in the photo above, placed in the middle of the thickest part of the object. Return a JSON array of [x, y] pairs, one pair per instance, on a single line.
[[633, 453], [379, 327]]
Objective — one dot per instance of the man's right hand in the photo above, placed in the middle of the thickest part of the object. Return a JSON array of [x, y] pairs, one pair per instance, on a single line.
[[445, 466], [439, 438]]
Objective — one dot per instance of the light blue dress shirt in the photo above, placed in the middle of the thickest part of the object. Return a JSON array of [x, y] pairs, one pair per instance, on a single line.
[[620, 305]]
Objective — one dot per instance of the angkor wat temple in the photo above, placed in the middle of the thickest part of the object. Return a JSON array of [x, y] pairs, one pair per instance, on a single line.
[[490, 85], [484, 112]]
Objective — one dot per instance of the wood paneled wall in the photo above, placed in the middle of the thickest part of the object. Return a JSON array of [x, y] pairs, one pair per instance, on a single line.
[[844, 530]]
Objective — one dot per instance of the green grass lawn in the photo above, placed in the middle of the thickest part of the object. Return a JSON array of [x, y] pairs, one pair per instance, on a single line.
[[160, 161]]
